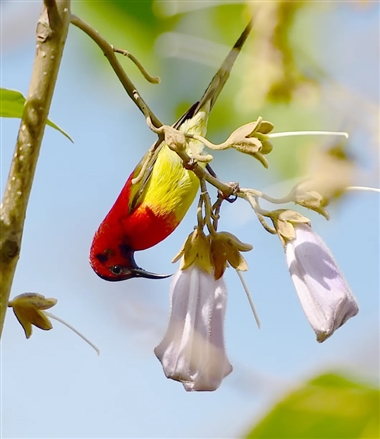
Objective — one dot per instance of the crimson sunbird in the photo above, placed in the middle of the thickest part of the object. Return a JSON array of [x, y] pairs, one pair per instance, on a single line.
[[148, 211]]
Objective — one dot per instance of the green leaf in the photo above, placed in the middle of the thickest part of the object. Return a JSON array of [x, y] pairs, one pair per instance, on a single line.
[[56, 127], [12, 105], [327, 407]]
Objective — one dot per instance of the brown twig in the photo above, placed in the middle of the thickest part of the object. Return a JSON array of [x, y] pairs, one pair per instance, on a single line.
[[118, 69], [147, 76], [52, 31]]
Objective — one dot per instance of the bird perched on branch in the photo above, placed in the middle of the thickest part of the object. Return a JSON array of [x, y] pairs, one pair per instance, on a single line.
[[149, 210]]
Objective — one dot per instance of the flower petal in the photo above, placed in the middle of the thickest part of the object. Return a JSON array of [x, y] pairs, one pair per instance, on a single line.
[[192, 350], [325, 295]]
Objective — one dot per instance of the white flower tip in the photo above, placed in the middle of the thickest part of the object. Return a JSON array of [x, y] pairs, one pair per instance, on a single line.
[[209, 384], [201, 367], [345, 311]]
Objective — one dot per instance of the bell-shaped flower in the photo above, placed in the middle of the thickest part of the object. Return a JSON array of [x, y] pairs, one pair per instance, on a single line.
[[193, 350], [325, 295]]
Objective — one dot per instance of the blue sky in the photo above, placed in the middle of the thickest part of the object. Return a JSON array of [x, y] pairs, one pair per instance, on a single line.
[[53, 385]]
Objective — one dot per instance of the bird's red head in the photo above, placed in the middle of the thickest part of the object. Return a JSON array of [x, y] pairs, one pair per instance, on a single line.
[[118, 264]]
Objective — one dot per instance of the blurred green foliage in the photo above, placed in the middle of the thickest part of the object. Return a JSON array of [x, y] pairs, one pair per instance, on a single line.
[[329, 406], [280, 74], [184, 43], [139, 24]]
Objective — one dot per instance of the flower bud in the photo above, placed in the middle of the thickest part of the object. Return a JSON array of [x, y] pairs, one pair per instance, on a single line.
[[324, 293]]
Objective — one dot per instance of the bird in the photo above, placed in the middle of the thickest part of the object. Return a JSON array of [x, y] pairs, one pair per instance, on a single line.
[[148, 211]]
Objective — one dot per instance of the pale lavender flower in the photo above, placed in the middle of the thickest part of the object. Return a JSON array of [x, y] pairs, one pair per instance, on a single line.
[[325, 295], [192, 350]]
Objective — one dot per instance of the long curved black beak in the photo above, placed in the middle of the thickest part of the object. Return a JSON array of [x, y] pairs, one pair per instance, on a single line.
[[126, 273], [134, 270], [140, 272]]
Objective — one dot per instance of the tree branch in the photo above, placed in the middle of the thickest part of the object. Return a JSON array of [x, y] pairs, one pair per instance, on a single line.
[[52, 11], [108, 51], [52, 28], [153, 122]]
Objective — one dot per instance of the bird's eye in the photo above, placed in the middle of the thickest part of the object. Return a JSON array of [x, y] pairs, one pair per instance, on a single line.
[[115, 269]]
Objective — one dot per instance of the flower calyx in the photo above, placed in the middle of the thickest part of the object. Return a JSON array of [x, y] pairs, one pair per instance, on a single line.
[[252, 139], [226, 247], [284, 221], [28, 308], [195, 250], [312, 200], [213, 252]]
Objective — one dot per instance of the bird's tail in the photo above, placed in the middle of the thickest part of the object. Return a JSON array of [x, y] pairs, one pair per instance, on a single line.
[[217, 83]]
